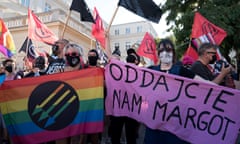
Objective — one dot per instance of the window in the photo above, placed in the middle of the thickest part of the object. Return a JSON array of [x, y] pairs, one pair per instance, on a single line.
[[139, 29], [25, 2], [128, 45], [127, 30], [47, 7], [116, 31]]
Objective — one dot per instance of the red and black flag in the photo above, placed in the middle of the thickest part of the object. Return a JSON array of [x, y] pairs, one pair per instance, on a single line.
[[39, 31], [97, 29], [148, 48], [144, 8], [28, 48], [203, 31], [81, 7]]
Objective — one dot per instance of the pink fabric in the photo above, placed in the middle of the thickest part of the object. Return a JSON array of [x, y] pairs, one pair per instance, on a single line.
[[3, 50], [187, 60], [195, 111]]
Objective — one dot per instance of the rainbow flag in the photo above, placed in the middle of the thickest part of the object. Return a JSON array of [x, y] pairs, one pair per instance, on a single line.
[[45, 108], [6, 38]]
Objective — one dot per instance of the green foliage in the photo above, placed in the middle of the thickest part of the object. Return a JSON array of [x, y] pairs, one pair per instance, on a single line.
[[223, 13]]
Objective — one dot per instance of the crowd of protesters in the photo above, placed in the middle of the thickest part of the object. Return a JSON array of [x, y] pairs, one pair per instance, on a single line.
[[67, 56]]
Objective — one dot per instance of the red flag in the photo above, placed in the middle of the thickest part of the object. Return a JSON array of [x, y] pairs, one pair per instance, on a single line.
[[148, 48], [6, 39], [38, 31], [204, 31], [97, 29]]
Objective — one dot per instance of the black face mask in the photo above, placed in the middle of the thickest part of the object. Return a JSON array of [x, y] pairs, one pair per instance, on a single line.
[[92, 60], [214, 58], [55, 50], [73, 60], [9, 68]]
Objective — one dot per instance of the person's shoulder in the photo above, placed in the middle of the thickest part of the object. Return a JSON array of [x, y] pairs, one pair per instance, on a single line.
[[175, 69], [154, 67], [30, 74], [197, 62]]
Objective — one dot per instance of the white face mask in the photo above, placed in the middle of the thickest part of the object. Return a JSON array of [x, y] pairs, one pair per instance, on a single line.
[[166, 57]]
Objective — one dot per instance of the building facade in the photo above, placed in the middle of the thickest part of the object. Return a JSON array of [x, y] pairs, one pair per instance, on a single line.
[[127, 35], [54, 14]]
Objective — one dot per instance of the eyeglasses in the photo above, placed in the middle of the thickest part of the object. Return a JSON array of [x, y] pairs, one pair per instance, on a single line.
[[209, 52], [72, 54], [167, 49], [59, 42]]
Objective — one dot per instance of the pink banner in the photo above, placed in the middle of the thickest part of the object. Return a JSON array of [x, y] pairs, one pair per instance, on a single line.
[[195, 111]]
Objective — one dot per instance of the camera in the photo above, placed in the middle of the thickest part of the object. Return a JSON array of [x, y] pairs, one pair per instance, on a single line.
[[219, 64]]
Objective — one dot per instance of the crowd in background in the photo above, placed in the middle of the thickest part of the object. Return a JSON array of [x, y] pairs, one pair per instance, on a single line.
[[67, 56]]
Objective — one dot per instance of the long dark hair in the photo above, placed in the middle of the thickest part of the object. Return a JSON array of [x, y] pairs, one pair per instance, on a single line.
[[165, 42]]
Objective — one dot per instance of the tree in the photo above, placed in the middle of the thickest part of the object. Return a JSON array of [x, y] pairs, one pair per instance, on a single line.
[[222, 13]]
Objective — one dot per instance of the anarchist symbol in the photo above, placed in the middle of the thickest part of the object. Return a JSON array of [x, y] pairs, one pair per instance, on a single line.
[[149, 47], [53, 105], [209, 28]]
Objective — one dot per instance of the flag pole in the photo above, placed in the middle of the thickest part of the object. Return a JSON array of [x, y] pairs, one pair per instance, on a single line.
[[110, 24], [65, 25], [28, 33], [108, 51], [91, 44]]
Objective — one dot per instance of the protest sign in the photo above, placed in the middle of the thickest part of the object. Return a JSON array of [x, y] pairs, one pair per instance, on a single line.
[[196, 111]]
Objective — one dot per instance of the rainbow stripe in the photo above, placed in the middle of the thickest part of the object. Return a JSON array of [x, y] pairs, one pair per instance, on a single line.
[[36, 110], [6, 38]]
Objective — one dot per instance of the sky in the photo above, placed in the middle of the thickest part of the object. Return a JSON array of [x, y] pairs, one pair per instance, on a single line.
[[106, 9]]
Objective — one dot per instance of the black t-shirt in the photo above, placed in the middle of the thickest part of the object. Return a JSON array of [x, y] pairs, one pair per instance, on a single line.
[[57, 65], [202, 70]]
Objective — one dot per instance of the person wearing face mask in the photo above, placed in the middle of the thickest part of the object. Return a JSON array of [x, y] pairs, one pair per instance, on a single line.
[[92, 58], [207, 55], [56, 60], [73, 56], [120, 123], [73, 61], [38, 67], [92, 61], [9, 67], [9, 74], [168, 64]]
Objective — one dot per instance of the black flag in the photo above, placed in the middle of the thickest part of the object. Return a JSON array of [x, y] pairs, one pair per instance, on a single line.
[[144, 8], [28, 48], [81, 7]]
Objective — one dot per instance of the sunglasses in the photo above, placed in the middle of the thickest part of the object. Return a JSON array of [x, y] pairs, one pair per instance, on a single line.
[[209, 52], [59, 42], [72, 54], [167, 49]]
